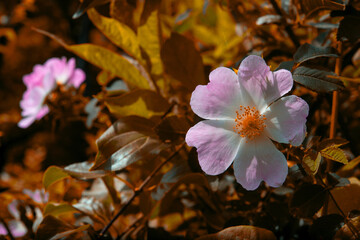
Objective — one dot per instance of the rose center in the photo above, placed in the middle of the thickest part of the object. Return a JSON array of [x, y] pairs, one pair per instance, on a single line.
[[249, 122]]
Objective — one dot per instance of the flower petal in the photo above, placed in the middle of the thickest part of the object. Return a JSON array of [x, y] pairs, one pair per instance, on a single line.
[[285, 120], [265, 86], [77, 78], [218, 99], [259, 160], [217, 144], [252, 74], [278, 84], [26, 122]]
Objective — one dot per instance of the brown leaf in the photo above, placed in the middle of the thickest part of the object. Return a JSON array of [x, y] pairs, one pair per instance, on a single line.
[[182, 61], [241, 232]]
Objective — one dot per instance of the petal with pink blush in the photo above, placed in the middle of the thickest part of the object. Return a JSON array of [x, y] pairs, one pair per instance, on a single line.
[[252, 74], [278, 84], [252, 68], [219, 98], [286, 120], [26, 122], [42, 112], [259, 160], [217, 144], [77, 78]]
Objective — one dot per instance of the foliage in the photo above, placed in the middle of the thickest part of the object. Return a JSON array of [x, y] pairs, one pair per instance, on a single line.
[[112, 157]]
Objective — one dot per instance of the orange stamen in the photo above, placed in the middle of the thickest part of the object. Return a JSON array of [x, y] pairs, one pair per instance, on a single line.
[[249, 122]]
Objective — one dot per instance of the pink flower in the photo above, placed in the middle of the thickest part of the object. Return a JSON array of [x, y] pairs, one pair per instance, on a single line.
[[65, 72], [243, 112], [41, 82], [16, 226]]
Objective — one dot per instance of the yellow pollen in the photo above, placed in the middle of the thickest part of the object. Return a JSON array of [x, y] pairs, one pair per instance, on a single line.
[[249, 122]]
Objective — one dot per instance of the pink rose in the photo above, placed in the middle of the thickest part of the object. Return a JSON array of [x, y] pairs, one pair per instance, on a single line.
[[41, 82], [243, 113]]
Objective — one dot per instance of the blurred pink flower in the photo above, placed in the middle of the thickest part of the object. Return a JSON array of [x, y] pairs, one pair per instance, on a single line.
[[16, 226], [243, 112], [39, 196], [41, 82], [65, 72]]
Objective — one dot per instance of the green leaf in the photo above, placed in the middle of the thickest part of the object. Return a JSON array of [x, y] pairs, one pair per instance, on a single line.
[[335, 180], [127, 141], [142, 148], [288, 65], [109, 183], [82, 171], [334, 153], [171, 195], [307, 51], [317, 80], [126, 124], [307, 200], [118, 33], [52, 175], [338, 142], [149, 39], [312, 162], [268, 19], [182, 61], [310, 7], [78, 232], [58, 209], [143, 103], [172, 128], [87, 4], [50, 226], [240, 232]]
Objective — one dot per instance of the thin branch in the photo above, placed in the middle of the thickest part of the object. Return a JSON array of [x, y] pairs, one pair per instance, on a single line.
[[139, 190], [335, 102], [351, 226], [355, 80], [288, 28]]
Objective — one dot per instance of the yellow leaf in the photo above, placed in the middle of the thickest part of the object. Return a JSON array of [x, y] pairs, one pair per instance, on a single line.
[[106, 60], [312, 164], [52, 175], [111, 62], [348, 168], [143, 103], [149, 38], [334, 153], [104, 77], [118, 33]]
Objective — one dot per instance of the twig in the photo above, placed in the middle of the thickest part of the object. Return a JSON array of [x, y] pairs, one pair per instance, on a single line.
[[335, 101], [139, 190], [355, 80], [288, 28], [352, 228]]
